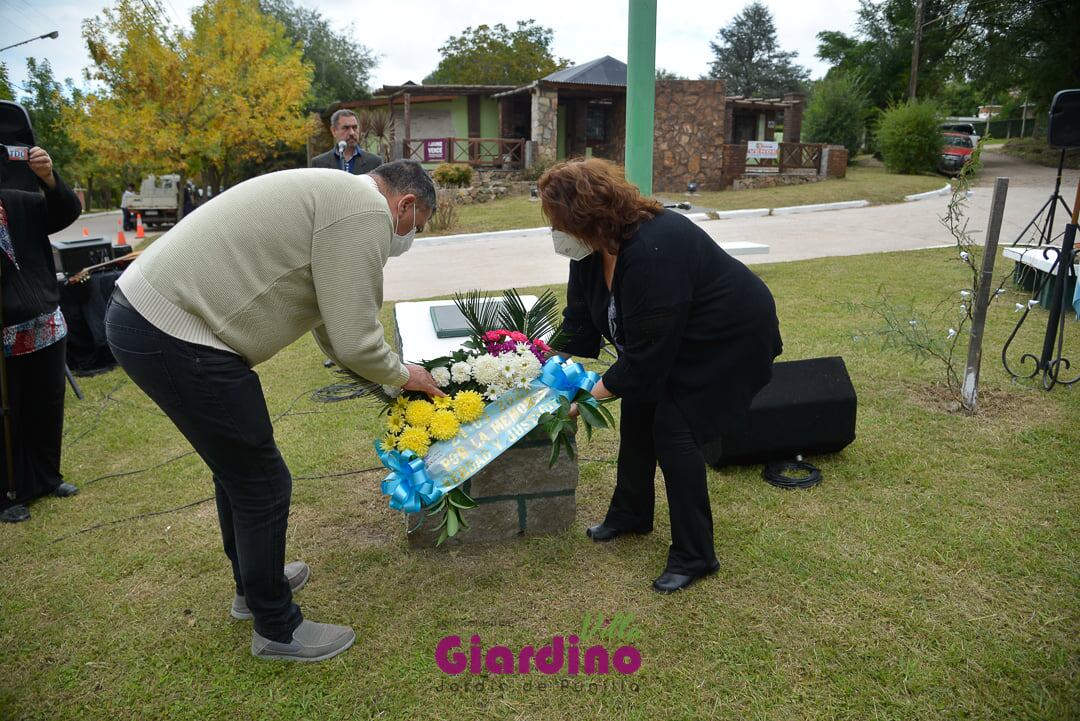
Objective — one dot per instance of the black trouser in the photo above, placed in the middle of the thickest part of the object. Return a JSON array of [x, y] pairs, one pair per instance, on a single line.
[[217, 402], [651, 433], [35, 383], [129, 219]]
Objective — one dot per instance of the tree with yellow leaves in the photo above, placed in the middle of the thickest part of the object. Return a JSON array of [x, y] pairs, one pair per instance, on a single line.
[[197, 102]]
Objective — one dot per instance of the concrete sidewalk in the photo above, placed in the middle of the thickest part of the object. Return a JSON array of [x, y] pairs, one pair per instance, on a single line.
[[493, 262]]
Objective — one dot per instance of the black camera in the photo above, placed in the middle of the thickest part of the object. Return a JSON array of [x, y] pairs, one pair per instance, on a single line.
[[16, 139]]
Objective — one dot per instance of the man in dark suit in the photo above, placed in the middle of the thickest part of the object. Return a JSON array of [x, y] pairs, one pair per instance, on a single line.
[[346, 128]]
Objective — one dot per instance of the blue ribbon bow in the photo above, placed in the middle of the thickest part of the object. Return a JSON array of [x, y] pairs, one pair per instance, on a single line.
[[408, 484], [567, 378]]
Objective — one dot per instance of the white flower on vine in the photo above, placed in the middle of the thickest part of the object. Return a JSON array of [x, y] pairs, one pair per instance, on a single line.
[[952, 333], [1032, 303], [963, 308], [913, 322], [1019, 307], [1000, 291], [965, 294], [964, 256]]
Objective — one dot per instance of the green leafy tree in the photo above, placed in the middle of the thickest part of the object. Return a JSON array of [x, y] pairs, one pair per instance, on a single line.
[[45, 101], [342, 66], [665, 74], [7, 92], [835, 113], [909, 137], [748, 59], [487, 55], [879, 54]]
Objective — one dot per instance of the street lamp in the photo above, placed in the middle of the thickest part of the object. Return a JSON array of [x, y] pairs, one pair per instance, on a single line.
[[53, 35]]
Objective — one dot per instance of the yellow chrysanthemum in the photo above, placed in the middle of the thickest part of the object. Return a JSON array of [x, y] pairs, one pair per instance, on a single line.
[[444, 425], [387, 443], [395, 423], [418, 413], [442, 402], [414, 439], [401, 403], [468, 406]]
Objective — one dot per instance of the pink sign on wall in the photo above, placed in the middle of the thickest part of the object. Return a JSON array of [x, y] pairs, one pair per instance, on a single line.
[[435, 151]]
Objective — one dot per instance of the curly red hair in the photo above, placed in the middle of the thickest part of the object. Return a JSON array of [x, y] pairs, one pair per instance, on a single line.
[[592, 200]]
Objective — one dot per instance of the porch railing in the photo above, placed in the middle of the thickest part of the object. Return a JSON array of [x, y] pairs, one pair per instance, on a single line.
[[504, 153]]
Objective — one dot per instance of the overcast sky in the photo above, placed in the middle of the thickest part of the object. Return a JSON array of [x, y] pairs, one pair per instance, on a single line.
[[406, 34]]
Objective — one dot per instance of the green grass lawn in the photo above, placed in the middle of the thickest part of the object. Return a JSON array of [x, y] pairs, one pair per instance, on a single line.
[[934, 574], [864, 181]]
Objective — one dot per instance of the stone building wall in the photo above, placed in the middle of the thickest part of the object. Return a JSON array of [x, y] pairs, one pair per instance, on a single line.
[[545, 124], [688, 134]]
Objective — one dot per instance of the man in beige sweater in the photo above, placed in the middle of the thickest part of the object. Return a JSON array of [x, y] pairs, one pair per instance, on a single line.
[[228, 287]]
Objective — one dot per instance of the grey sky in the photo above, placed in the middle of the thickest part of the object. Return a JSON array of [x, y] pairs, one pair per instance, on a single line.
[[406, 34]]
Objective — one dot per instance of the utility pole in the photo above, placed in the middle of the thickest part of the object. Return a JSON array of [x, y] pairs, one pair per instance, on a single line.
[[640, 94], [920, 10]]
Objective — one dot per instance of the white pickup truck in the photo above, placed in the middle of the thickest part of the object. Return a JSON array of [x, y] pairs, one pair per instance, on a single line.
[[160, 200]]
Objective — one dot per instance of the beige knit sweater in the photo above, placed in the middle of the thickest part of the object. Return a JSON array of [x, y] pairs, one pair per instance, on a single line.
[[271, 259]]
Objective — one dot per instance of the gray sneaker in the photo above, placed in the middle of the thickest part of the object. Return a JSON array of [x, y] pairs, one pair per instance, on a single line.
[[297, 574], [310, 642]]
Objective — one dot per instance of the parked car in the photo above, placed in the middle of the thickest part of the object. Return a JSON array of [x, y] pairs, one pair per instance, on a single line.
[[956, 149], [965, 128]]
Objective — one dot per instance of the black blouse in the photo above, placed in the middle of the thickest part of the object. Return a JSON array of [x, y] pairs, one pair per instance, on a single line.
[[694, 325], [32, 290]]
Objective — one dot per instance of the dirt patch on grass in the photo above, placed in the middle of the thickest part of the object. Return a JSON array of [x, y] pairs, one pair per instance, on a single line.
[[1013, 403]]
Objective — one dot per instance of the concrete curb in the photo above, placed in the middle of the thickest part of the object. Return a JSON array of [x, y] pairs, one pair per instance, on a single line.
[[99, 212], [745, 213], [493, 233], [929, 194], [793, 209]]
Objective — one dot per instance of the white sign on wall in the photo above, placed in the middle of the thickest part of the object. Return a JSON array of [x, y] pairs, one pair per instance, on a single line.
[[762, 149]]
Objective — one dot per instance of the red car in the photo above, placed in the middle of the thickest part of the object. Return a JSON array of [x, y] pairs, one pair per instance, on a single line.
[[956, 149]]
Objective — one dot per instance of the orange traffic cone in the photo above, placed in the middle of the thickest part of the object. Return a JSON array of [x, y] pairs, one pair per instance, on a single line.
[[85, 232], [140, 232], [120, 239]]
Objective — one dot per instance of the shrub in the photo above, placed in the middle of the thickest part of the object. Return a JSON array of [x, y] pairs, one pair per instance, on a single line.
[[445, 216], [453, 175], [534, 171], [909, 137], [835, 114]]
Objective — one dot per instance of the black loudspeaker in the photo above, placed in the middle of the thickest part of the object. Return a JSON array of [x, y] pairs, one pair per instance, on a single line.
[[1064, 128], [808, 408]]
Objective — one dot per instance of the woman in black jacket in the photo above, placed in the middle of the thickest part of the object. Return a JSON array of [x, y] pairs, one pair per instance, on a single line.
[[33, 333], [696, 334]]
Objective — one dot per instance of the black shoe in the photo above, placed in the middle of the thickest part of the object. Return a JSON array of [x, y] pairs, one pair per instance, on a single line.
[[15, 514], [65, 489], [601, 533], [671, 582]]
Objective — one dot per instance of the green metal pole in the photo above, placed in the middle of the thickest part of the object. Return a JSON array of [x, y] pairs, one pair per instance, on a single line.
[[640, 93]]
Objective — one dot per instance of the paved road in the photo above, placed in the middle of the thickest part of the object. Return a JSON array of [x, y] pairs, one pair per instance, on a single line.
[[491, 262], [496, 261]]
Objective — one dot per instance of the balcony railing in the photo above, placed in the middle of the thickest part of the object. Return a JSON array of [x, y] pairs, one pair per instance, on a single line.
[[504, 153]]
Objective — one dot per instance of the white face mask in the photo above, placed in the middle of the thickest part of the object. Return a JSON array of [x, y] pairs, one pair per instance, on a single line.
[[401, 243], [568, 246]]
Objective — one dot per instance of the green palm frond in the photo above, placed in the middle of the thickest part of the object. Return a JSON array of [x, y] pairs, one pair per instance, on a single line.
[[481, 313]]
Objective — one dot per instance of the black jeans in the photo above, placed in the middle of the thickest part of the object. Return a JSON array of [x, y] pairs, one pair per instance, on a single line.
[[651, 433], [217, 402]]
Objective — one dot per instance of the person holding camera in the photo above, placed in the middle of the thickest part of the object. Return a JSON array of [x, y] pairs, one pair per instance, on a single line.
[[34, 335]]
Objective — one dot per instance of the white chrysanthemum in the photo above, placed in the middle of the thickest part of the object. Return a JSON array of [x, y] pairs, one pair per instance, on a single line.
[[460, 372], [441, 376], [486, 370]]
